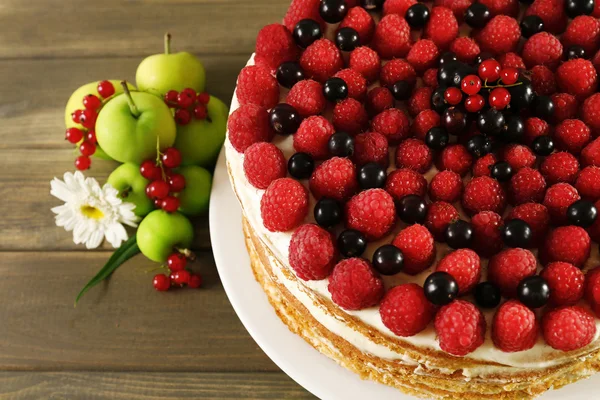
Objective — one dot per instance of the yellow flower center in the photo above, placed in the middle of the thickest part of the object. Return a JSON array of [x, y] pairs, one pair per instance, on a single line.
[[92, 212]]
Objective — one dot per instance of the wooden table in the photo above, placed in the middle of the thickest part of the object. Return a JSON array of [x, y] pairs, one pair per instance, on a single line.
[[123, 340]]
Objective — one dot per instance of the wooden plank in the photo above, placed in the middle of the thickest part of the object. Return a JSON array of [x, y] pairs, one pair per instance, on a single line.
[[142, 386], [120, 325]]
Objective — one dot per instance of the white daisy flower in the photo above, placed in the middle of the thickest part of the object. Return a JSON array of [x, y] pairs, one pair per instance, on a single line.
[[92, 212]]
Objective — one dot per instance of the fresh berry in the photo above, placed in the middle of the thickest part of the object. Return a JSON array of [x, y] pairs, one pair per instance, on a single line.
[[551, 12], [321, 60], [582, 213], [284, 205], [460, 328], [370, 147], [350, 116], [592, 289], [247, 125], [583, 31], [157, 190], [465, 48], [355, 285], [577, 77], [105, 89], [284, 119], [397, 70], [487, 239], [263, 163], [446, 186], [590, 113], [536, 216], [256, 85], [560, 167], [442, 27], [405, 310], [453, 96], [478, 15], [590, 155], [568, 328], [534, 128], [289, 73], [82, 163], [312, 252], [356, 83], [423, 55], [301, 165], [509, 267], [499, 98], [417, 15], [542, 49], [483, 194], [575, 8], [527, 185], [365, 61], [335, 89], [430, 77], [509, 76], [456, 158], [150, 170], [307, 97], [177, 182], [361, 21], [170, 204], [439, 216], [465, 266], [414, 154], [543, 81], [567, 243], [328, 212], [313, 136], [566, 283], [487, 295], [341, 144], [161, 282], [516, 233], [565, 107], [420, 100], [351, 243], [183, 117], [335, 178], [399, 7], [490, 122], [500, 35], [306, 32], [519, 156], [557, 199], [392, 36], [333, 11], [371, 212], [379, 99], [418, 247], [388, 259], [471, 84], [412, 209], [302, 9], [588, 183], [483, 165], [514, 327]]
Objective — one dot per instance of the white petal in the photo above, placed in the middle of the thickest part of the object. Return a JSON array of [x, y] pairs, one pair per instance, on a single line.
[[60, 190], [95, 239]]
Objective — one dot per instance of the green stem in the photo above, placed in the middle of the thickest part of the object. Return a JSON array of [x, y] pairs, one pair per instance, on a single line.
[[132, 107], [167, 39], [187, 253]]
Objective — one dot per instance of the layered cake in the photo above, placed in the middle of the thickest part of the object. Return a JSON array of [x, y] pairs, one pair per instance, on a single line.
[[420, 187]]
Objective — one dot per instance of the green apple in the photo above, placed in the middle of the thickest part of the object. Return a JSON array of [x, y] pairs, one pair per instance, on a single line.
[[200, 141], [159, 73], [131, 127], [131, 185], [195, 197], [162, 233]]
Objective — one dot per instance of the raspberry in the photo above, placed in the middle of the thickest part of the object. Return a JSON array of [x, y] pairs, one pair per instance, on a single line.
[[357, 84], [551, 12], [583, 31], [350, 116], [371, 212], [590, 155], [514, 327], [321, 60], [567, 243], [511, 60], [594, 230], [460, 328], [560, 167], [596, 61], [590, 113], [361, 21], [423, 55], [371, 147], [405, 310], [446, 186], [527, 185], [483, 194], [247, 125], [402, 182], [577, 77], [509, 267], [307, 98], [263, 163], [256, 85], [458, 7], [565, 281], [392, 37], [335, 178], [519, 156], [487, 240], [414, 154], [572, 135], [588, 183], [397, 7], [439, 215], [430, 77], [275, 45], [465, 48], [423, 122], [565, 106], [313, 136], [568, 328], [284, 205], [302, 9], [465, 267], [312, 252], [507, 7], [543, 81], [557, 199], [397, 70], [355, 285], [592, 289], [365, 61], [542, 48], [455, 157], [418, 247], [500, 35], [537, 217], [420, 100], [392, 123], [483, 165], [534, 128], [442, 27], [379, 99]]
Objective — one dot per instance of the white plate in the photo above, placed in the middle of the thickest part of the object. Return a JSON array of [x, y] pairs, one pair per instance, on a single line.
[[314, 371]]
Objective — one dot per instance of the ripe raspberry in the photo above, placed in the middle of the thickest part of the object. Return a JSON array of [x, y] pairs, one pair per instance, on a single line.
[[402, 182], [543, 81], [414, 154], [465, 267], [460, 328], [588, 183], [551, 12], [392, 123], [392, 37], [446, 186], [542, 48], [263, 163], [455, 157], [537, 217], [439, 215], [594, 230], [284, 205], [465, 48], [506, 7], [557, 199], [361, 21], [371, 212], [420, 100], [355, 285], [405, 310], [565, 106], [430, 78], [572, 135], [483, 165], [423, 122], [321, 60], [458, 7], [418, 247], [256, 85], [590, 113], [519, 156], [275, 45], [568, 328], [592, 289], [483, 194], [527, 185], [514, 327], [397, 7], [335, 178], [566, 243], [577, 77], [560, 167], [371, 147], [590, 155], [487, 240], [596, 58], [423, 55], [397, 70], [312, 252], [500, 35], [534, 128], [247, 125], [509, 267], [357, 84], [379, 99], [307, 98], [302, 9], [511, 60], [350, 116], [313, 136], [366, 61], [565, 281], [583, 31], [442, 27]]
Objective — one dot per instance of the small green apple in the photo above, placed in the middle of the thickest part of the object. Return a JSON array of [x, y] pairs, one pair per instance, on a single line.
[[131, 126], [159, 73], [200, 141], [131, 185], [162, 233], [195, 197]]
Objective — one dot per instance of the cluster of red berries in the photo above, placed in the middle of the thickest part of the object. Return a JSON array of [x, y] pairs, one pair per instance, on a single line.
[[178, 276], [164, 183], [188, 105], [86, 117]]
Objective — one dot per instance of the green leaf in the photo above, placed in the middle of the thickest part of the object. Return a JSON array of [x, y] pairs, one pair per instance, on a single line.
[[122, 254]]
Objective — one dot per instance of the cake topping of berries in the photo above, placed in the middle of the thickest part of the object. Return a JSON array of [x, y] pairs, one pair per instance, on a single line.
[[405, 310], [460, 328], [568, 328], [514, 327], [371, 212], [355, 285], [312, 252], [284, 205]]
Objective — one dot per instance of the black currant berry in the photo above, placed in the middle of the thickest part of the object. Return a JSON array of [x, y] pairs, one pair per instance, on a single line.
[[530, 25], [501, 171], [521, 95], [412, 209], [417, 15], [582, 213], [543, 107], [347, 39], [477, 15], [289, 73], [513, 129], [543, 145], [516, 233], [440, 288], [388, 260], [371, 176], [351, 243], [490, 122], [459, 234], [306, 32], [335, 89], [333, 11], [479, 146], [447, 58], [454, 120], [284, 119], [574, 52], [437, 138], [526, 1], [341, 144], [487, 295], [447, 72], [301, 165], [328, 212], [533, 291], [402, 90], [438, 103], [481, 57], [574, 8]]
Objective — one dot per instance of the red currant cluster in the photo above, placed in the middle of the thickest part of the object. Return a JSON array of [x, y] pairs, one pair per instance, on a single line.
[[188, 104], [179, 276], [164, 183], [471, 85]]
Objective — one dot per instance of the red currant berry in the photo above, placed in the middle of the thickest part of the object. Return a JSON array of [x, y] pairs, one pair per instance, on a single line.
[[499, 98], [157, 190], [195, 281], [200, 111], [471, 84], [91, 137], [150, 170], [87, 148], [171, 158], [177, 183], [203, 98], [191, 93], [176, 262], [91, 102], [182, 117], [181, 277], [474, 103], [509, 75], [82, 163], [171, 98], [184, 100], [105, 89], [453, 95], [87, 118], [489, 70], [161, 282], [76, 116], [170, 204], [157, 203], [73, 135]]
